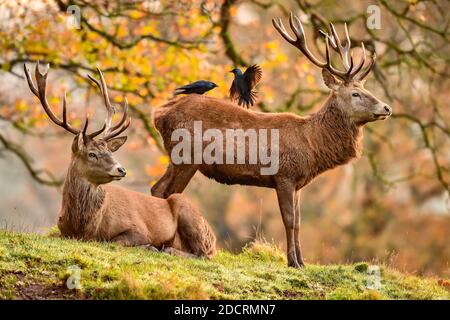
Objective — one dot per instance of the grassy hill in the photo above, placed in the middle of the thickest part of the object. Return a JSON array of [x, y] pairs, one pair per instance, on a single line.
[[35, 266]]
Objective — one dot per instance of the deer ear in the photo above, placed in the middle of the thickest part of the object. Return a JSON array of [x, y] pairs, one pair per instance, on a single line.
[[330, 81], [78, 143], [115, 143]]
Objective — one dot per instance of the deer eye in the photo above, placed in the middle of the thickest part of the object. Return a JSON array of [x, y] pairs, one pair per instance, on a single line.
[[92, 155], [356, 95]]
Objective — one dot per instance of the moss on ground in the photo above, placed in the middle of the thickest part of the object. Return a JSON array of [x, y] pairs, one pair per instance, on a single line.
[[37, 267]]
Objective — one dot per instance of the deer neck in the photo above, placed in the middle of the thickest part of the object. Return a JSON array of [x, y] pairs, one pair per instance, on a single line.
[[81, 205], [336, 137]]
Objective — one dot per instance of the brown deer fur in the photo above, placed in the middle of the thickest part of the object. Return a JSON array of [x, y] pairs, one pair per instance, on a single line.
[[308, 145], [111, 213], [92, 209]]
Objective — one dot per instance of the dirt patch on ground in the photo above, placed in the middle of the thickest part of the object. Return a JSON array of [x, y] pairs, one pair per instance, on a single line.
[[292, 294], [27, 289], [37, 291]]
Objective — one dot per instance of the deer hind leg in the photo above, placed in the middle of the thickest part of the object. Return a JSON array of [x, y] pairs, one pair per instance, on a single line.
[[195, 234], [180, 253], [174, 180], [131, 238], [181, 176], [163, 183], [285, 193], [297, 218]]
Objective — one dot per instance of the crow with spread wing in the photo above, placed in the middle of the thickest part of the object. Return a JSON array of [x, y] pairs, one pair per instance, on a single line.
[[199, 87], [243, 84]]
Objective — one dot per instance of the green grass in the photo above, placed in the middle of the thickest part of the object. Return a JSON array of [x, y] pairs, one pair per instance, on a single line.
[[36, 266]]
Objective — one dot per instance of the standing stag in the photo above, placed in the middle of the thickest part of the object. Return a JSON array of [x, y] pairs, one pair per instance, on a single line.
[[94, 210], [308, 145]]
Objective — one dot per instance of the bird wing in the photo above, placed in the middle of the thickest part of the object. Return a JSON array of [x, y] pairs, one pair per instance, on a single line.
[[196, 84], [253, 75], [234, 94]]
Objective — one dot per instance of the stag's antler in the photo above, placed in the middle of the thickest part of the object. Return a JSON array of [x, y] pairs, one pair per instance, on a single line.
[[124, 123], [332, 39], [40, 93]]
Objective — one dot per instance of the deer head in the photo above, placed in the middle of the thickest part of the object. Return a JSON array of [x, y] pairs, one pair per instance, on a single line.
[[346, 85], [91, 156]]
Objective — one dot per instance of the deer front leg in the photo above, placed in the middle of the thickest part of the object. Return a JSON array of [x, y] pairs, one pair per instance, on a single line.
[[297, 219], [285, 193]]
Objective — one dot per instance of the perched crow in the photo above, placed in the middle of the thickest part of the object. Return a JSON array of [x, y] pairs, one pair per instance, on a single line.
[[243, 84], [199, 87]]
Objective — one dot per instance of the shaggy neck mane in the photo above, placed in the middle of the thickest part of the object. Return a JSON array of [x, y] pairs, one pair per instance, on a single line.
[[336, 138], [81, 202]]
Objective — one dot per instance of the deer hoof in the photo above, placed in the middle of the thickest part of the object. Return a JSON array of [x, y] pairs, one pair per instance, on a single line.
[[168, 250], [294, 263], [149, 247]]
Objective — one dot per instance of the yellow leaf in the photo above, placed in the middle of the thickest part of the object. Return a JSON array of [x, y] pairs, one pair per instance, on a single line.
[[164, 160], [136, 14], [21, 105]]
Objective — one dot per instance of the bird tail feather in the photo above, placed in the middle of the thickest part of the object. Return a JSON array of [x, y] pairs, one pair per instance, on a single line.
[[178, 91], [253, 96]]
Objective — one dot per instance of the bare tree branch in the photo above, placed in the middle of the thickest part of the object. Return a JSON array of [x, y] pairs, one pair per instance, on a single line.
[[42, 176]]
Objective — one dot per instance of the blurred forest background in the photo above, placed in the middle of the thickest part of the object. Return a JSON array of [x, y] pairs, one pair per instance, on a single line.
[[391, 206]]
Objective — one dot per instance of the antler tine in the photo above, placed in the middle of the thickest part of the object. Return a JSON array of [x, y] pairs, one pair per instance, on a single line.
[[361, 62], [96, 133], [278, 24], [102, 87], [40, 93], [343, 48], [328, 66], [86, 123], [109, 130], [297, 28], [123, 124], [109, 107], [331, 39], [300, 41], [122, 129], [348, 43], [336, 44], [364, 74], [301, 44], [125, 115], [64, 111], [349, 72]]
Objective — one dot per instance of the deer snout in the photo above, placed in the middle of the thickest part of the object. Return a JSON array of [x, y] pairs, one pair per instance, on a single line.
[[122, 172], [382, 111]]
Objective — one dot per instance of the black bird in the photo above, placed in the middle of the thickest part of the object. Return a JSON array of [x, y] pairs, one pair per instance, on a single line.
[[199, 87], [243, 84]]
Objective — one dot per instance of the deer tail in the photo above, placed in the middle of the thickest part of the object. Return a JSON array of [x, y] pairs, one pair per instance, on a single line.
[[195, 232]]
